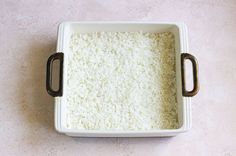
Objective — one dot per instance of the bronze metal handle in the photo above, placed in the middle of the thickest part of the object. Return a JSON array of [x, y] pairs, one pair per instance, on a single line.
[[57, 56], [195, 89]]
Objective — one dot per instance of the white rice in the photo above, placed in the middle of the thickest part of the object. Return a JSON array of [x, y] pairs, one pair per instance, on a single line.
[[121, 81]]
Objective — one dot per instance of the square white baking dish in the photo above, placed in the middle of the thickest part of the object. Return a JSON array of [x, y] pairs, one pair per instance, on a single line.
[[181, 48]]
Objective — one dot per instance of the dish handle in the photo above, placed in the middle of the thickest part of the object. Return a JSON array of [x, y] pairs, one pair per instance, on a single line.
[[57, 56], [194, 91]]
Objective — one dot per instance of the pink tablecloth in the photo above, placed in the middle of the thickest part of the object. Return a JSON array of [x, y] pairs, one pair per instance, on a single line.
[[28, 36]]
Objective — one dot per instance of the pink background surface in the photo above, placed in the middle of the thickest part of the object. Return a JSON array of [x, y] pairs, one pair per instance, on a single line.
[[28, 37]]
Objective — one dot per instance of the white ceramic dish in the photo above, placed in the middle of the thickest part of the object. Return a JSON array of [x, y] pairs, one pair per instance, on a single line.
[[181, 48]]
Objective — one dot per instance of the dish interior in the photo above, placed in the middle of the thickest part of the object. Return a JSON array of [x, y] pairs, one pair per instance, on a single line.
[[72, 29]]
